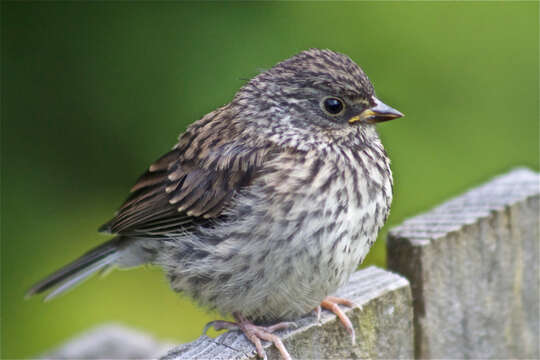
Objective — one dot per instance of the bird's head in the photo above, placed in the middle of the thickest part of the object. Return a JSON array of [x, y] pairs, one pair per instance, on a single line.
[[314, 94]]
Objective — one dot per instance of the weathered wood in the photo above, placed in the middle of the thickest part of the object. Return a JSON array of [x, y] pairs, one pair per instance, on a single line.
[[110, 341], [383, 326], [473, 267]]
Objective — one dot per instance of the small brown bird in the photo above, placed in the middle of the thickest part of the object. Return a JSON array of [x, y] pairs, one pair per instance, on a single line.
[[266, 205]]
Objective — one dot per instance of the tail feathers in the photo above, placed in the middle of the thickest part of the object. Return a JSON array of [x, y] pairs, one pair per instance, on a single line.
[[79, 270]]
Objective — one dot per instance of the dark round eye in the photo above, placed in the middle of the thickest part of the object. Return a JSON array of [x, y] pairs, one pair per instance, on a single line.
[[333, 105]]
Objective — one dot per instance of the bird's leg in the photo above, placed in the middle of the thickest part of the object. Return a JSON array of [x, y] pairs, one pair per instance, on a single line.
[[255, 333], [331, 303]]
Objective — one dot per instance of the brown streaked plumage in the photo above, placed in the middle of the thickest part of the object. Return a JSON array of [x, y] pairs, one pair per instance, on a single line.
[[267, 204]]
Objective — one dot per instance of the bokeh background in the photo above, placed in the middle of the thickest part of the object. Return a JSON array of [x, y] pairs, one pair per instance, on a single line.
[[94, 92]]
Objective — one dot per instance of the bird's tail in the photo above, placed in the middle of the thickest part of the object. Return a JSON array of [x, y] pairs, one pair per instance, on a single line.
[[79, 270]]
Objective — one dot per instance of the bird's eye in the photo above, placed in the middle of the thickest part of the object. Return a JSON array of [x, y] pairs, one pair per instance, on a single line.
[[332, 105]]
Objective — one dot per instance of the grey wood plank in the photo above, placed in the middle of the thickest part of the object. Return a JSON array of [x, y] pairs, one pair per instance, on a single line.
[[473, 267]]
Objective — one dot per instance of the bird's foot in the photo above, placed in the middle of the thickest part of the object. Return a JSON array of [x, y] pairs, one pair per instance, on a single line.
[[255, 333], [332, 303]]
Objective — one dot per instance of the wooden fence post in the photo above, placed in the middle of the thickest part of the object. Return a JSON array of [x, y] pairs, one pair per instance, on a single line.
[[473, 267]]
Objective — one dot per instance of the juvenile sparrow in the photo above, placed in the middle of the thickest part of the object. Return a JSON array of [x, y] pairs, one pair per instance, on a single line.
[[266, 205]]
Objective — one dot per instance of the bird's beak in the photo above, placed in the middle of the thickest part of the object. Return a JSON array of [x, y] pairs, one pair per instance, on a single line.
[[378, 112]]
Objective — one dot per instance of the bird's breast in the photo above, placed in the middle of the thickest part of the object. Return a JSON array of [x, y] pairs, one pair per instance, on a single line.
[[317, 219], [352, 193], [294, 236]]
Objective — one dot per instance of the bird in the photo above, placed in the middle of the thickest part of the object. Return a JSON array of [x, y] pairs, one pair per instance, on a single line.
[[266, 205]]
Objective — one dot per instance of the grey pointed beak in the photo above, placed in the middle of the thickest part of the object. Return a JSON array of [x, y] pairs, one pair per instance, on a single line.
[[378, 112]]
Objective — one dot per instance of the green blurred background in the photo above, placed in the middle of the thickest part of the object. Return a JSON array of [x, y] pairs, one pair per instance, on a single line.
[[94, 92]]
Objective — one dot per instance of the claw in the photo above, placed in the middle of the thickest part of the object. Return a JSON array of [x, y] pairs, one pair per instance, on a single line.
[[318, 314], [255, 333], [331, 303], [220, 325]]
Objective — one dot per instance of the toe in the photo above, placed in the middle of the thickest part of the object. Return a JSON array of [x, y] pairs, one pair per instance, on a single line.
[[281, 326], [276, 341], [220, 325], [342, 301], [256, 333], [331, 303]]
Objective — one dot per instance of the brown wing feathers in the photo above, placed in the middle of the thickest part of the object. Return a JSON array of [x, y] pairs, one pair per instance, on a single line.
[[177, 193]]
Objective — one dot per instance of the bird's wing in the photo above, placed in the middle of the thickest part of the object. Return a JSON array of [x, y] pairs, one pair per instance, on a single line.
[[191, 184]]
